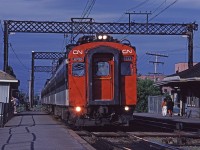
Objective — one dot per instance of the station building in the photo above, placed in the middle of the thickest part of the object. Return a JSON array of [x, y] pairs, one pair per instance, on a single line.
[[8, 88], [185, 89]]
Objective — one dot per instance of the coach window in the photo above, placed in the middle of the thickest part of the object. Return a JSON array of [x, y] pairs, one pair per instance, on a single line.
[[126, 68], [102, 69], [78, 69]]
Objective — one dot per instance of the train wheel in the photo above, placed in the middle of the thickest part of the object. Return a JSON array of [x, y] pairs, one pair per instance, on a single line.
[[98, 118]]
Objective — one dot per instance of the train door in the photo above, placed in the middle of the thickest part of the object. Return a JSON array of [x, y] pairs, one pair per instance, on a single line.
[[103, 76]]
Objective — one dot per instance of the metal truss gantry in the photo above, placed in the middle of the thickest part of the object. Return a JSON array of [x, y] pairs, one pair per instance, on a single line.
[[42, 55], [77, 27], [90, 27]]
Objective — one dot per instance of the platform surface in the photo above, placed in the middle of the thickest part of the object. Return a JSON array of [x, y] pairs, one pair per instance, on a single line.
[[39, 131], [174, 117]]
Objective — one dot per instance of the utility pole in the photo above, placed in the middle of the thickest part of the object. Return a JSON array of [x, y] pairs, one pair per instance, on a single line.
[[156, 62]]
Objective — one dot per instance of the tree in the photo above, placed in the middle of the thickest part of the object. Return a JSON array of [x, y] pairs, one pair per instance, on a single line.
[[145, 88], [10, 71]]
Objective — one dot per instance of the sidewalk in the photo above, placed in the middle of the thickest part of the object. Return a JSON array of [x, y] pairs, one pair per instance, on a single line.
[[39, 131]]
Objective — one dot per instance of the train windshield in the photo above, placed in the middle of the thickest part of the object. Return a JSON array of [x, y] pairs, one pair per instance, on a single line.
[[126, 68], [78, 69], [102, 69]]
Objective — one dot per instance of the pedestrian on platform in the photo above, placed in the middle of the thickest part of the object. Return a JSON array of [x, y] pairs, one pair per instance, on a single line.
[[170, 105], [15, 102], [164, 107]]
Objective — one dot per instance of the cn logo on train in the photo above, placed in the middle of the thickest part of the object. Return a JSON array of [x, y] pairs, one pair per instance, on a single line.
[[77, 52], [95, 84]]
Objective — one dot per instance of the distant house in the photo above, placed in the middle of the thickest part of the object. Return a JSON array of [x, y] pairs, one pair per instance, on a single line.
[[8, 87], [179, 67]]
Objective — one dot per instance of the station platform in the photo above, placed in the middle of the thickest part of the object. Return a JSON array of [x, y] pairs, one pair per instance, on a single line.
[[175, 118], [180, 123], [35, 130]]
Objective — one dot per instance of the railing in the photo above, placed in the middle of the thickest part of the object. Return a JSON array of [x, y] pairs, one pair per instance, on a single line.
[[6, 112], [154, 104]]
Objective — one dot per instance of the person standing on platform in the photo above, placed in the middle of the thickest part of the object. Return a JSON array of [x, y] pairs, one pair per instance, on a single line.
[[170, 106], [15, 103], [164, 107]]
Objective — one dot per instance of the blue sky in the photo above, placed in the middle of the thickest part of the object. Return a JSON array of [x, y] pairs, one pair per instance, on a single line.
[[182, 11]]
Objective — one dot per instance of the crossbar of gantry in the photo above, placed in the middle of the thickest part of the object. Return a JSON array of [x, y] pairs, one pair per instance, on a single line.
[[95, 28]]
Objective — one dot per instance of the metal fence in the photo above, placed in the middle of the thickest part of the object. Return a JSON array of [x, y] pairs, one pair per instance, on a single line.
[[154, 104], [6, 112]]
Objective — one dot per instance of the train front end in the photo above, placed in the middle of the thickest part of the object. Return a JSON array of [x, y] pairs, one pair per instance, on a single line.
[[102, 80]]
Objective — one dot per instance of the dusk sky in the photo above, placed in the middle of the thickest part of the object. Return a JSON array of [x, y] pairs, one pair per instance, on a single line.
[[163, 11]]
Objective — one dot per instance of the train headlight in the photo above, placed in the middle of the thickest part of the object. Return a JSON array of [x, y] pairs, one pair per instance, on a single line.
[[78, 109], [126, 108], [100, 37], [105, 37]]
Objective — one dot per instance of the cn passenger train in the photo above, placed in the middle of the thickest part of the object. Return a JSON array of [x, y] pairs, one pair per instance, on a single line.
[[95, 84]]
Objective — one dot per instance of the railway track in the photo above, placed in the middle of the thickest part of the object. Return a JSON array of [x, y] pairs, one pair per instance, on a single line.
[[121, 141], [160, 136]]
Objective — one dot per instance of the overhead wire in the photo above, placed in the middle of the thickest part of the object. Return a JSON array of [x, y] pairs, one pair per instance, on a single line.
[[153, 11], [137, 6], [86, 12], [88, 8], [163, 10], [143, 61], [25, 67], [158, 12]]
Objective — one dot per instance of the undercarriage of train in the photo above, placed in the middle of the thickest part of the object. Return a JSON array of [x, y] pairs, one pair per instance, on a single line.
[[92, 116]]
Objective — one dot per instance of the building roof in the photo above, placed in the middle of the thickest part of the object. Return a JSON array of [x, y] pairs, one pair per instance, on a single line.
[[189, 75], [4, 77]]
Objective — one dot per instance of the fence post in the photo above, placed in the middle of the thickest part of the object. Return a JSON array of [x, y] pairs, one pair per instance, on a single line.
[[1, 114]]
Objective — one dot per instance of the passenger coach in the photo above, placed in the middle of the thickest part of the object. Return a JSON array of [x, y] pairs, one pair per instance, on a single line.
[[95, 83]]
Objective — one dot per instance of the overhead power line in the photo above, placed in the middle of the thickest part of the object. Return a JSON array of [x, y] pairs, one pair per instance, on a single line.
[[153, 11], [84, 16], [25, 67], [130, 9], [163, 10], [88, 8]]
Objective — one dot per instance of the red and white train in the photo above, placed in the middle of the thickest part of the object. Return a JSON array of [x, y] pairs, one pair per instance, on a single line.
[[95, 84]]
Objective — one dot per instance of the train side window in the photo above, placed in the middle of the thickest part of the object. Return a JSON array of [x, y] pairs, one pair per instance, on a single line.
[[102, 68], [126, 68], [78, 69]]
